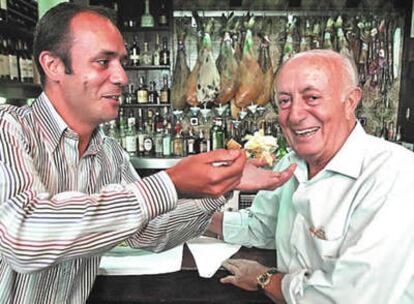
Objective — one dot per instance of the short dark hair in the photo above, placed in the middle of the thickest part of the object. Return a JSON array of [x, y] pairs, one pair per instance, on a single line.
[[53, 32]]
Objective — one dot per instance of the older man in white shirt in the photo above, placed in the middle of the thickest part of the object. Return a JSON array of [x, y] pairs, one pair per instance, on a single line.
[[342, 226]]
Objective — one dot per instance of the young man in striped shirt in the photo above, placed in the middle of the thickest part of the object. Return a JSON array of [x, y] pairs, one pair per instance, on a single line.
[[68, 193]]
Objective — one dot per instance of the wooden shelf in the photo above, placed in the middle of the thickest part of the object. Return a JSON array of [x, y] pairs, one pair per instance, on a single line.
[[146, 67], [145, 105], [18, 90]]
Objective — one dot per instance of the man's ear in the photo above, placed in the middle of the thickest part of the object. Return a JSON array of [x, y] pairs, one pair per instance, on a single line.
[[52, 66], [351, 102]]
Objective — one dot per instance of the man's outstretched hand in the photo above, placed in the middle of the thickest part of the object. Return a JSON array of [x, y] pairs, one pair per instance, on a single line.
[[255, 178]]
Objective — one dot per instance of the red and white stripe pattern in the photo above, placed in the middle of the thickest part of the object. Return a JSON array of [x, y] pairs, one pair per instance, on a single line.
[[59, 213]]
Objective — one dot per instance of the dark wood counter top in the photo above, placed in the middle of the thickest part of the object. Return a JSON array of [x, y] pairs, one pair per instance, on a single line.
[[184, 286]]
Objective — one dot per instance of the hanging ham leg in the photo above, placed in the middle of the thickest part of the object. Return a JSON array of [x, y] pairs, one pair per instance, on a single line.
[[251, 76]]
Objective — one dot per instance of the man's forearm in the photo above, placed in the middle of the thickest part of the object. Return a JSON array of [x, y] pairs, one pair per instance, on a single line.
[[216, 224]]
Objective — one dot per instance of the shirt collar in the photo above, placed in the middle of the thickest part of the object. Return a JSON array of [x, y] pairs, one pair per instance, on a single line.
[[347, 161], [52, 125]]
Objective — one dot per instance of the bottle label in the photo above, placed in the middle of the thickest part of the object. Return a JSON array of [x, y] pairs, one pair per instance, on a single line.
[[190, 146], [166, 146], [147, 144], [134, 57], [165, 58], [2, 60], [14, 72], [23, 68], [131, 144], [156, 58], [142, 96], [162, 20], [178, 148], [6, 66], [30, 72], [141, 138], [164, 96], [203, 146], [158, 144]]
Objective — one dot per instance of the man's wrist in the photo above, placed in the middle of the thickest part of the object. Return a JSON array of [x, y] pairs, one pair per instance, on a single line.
[[264, 279]]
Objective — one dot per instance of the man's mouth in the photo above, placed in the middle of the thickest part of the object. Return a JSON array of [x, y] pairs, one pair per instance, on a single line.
[[116, 98], [306, 132]]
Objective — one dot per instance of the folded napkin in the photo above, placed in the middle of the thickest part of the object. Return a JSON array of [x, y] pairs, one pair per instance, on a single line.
[[209, 253], [130, 261]]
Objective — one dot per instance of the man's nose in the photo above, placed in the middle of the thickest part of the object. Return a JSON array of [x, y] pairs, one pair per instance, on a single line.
[[119, 76], [297, 112]]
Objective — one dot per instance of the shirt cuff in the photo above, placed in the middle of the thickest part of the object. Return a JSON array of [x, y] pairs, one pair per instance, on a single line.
[[232, 225], [209, 205], [156, 194]]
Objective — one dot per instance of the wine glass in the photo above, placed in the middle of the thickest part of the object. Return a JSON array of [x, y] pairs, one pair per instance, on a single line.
[[242, 114]]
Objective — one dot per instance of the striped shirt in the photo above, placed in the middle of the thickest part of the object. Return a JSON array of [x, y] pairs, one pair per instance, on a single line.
[[60, 212]]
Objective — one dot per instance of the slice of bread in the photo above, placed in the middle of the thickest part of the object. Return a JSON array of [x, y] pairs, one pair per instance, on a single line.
[[233, 145]]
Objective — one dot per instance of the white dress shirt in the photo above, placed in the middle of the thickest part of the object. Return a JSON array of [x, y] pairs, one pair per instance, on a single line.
[[345, 235]]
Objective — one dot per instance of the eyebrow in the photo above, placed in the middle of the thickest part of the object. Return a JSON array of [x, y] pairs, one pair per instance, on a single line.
[[111, 54], [307, 89]]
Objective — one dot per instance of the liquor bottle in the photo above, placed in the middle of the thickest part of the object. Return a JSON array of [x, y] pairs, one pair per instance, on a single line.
[[165, 53], [134, 53], [217, 134], [3, 11], [130, 95], [166, 141], [147, 20], [6, 65], [142, 92], [113, 131], [191, 143], [178, 141], [122, 128], [131, 137], [2, 59], [148, 141], [23, 68], [165, 91], [141, 137], [30, 65], [204, 142], [158, 121], [159, 135], [156, 55], [146, 57], [153, 94], [163, 15], [150, 120], [13, 64]]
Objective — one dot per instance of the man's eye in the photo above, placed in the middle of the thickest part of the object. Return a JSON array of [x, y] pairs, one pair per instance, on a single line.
[[283, 102], [103, 62], [313, 98]]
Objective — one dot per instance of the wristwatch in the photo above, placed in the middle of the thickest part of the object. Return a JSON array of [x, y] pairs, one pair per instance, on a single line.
[[264, 278]]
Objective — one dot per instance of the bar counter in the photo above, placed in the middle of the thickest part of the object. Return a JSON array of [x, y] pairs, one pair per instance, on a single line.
[[184, 286]]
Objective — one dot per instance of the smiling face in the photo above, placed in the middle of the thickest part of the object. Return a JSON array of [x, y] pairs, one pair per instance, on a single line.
[[91, 92], [316, 101]]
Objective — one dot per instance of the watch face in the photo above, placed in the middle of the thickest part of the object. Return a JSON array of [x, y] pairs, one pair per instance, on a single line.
[[264, 278]]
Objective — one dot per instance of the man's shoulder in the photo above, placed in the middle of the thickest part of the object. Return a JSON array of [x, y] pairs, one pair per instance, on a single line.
[[15, 115], [394, 152], [11, 111]]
